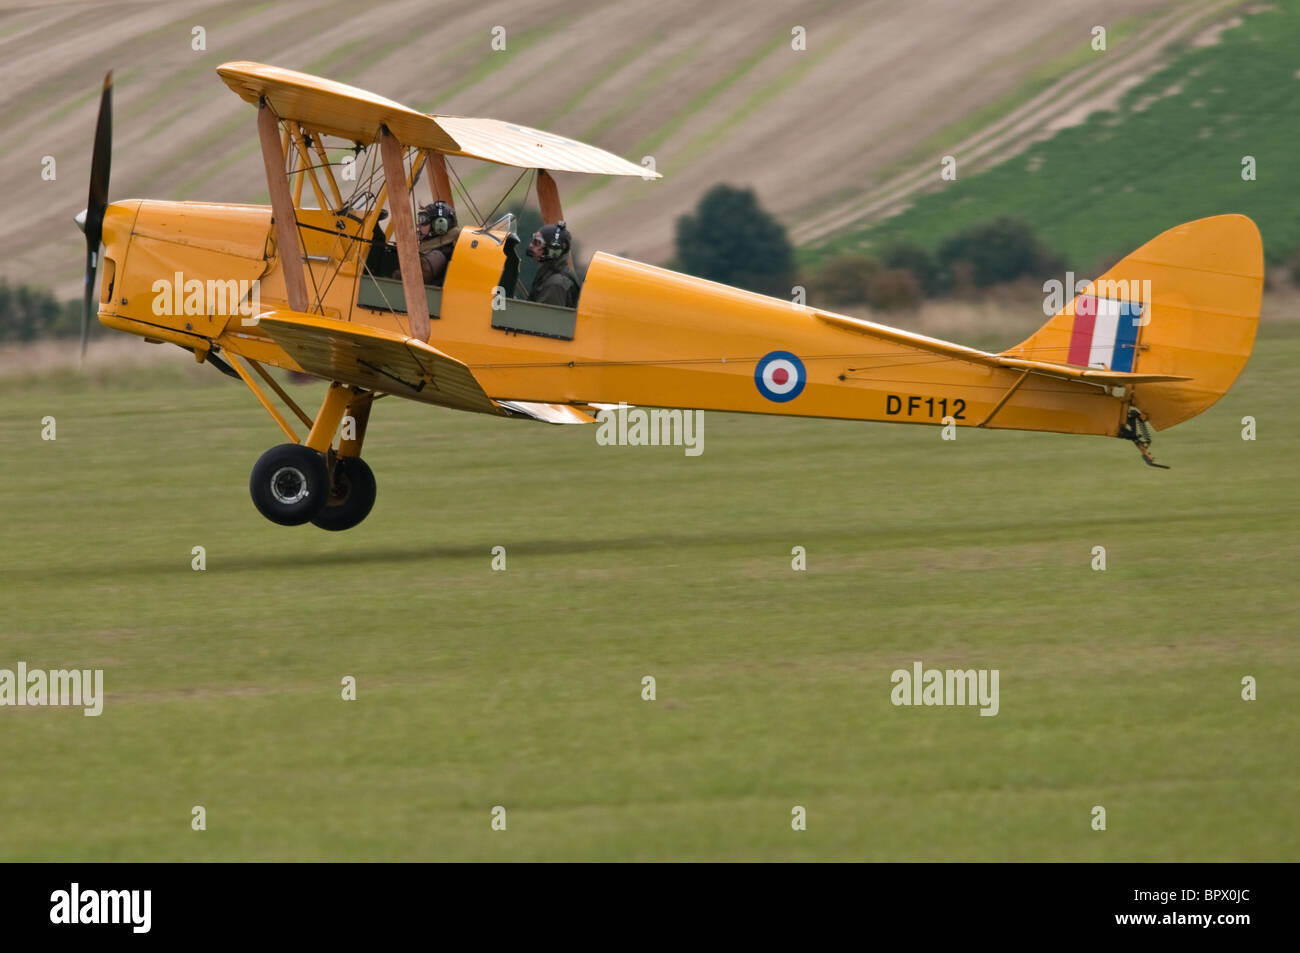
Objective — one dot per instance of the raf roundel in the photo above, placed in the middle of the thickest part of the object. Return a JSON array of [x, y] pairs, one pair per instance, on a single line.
[[780, 376]]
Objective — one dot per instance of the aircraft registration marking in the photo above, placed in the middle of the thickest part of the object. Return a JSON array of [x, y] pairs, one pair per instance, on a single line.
[[935, 408]]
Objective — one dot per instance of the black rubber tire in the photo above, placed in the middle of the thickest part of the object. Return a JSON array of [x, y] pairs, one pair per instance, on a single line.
[[289, 484], [351, 495]]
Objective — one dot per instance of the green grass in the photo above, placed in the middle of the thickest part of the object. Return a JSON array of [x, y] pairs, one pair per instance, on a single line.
[[1100, 189], [522, 688]]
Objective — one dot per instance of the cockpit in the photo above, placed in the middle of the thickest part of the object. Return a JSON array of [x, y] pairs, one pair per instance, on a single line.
[[486, 261]]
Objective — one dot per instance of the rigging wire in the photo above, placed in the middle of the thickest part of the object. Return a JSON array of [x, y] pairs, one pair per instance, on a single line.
[[465, 194], [508, 193]]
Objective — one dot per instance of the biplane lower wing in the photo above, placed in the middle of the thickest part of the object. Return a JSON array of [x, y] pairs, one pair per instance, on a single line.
[[377, 360]]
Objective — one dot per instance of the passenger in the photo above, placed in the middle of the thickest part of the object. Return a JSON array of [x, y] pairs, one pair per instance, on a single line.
[[438, 231], [555, 282]]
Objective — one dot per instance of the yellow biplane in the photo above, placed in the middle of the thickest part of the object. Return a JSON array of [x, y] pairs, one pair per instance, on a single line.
[[296, 287]]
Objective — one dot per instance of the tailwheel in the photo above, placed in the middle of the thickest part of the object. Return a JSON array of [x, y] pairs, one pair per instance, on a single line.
[[290, 484], [352, 494]]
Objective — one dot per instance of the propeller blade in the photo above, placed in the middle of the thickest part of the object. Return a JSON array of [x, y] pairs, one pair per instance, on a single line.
[[88, 301], [91, 221], [99, 163]]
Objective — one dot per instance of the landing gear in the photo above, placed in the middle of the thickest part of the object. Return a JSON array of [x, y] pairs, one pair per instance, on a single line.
[[309, 481], [352, 494], [290, 484], [1136, 429]]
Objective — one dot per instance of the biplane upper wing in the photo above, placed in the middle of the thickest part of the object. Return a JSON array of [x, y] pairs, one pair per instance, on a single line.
[[507, 143], [377, 360], [1094, 375], [337, 109]]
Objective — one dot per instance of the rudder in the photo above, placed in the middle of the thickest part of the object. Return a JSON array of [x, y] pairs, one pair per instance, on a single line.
[[1186, 303]]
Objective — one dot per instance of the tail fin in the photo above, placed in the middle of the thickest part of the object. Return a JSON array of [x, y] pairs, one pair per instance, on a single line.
[[1185, 305]]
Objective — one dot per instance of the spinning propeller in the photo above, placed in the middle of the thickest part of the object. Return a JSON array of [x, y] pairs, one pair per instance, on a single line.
[[91, 219]]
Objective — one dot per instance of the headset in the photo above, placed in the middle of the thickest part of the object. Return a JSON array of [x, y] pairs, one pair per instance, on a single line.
[[559, 243], [439, 216]]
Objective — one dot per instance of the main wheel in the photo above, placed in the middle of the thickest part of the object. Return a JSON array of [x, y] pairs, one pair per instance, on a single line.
[[352, 494], [289, 484]]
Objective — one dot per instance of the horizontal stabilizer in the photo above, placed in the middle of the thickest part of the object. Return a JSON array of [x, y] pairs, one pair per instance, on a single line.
[[1096, 374]]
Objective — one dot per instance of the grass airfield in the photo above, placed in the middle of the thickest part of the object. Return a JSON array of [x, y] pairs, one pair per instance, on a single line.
[[522, 688]]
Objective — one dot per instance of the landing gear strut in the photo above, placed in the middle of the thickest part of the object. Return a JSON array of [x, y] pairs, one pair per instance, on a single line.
[[1136, 429], [309, 482]]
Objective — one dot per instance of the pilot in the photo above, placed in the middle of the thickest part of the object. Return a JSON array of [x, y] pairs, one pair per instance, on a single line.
[[436, 225], [555, 282]]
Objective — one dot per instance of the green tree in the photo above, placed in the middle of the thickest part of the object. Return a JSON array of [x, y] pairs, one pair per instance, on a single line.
[[731, 239], [919, 262], [27, 313], [842, 280], [998, 251], [895, 289]]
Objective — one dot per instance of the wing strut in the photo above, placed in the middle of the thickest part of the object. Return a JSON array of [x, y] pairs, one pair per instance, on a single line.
[[408, 253], [286, 223], [548, 198], [439, 184]]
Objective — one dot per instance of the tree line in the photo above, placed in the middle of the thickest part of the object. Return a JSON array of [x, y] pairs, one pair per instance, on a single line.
[[28, 314], [730, 238]]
